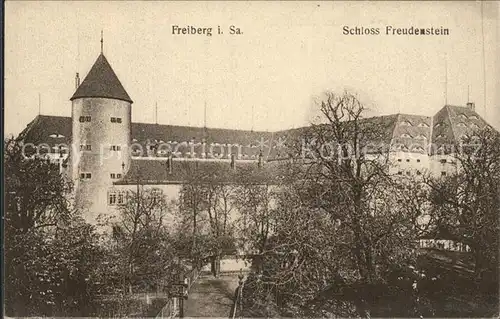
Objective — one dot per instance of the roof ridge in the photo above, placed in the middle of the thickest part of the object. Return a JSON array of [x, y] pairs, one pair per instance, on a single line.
[[452, 123]]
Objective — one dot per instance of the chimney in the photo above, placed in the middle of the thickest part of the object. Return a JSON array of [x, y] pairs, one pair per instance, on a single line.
[[233, 162], [77, 80], [170, 164], [471, 105], [260, 159]]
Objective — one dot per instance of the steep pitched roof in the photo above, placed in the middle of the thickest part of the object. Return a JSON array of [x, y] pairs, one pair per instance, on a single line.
[[101, 81], [450, 124], [412, 133], [48, 129]]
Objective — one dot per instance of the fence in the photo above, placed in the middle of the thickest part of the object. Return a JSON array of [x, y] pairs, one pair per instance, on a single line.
[[172, 308]]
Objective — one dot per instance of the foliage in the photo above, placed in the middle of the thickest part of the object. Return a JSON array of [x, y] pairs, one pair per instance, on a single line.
[[466, 205], [50, 252]]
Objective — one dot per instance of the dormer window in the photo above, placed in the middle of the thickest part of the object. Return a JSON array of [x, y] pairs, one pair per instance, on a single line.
[[461, 125], [406, 135], [462, 116], [474, 126], [438, 124], [406, 123], [421, 137], [423, 125], [55, 135], [441, 136], [473, 117]]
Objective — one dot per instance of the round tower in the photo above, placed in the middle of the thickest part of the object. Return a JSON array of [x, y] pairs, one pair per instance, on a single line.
[[101, 121]]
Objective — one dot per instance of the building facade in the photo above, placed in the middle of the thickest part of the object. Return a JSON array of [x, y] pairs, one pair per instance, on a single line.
[[106, 154]]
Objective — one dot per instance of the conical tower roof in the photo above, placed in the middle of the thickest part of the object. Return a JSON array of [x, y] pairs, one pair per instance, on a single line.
[[101, 81]]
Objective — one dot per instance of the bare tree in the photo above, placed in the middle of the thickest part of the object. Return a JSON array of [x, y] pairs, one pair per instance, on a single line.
[[466, 205], [141, 233]]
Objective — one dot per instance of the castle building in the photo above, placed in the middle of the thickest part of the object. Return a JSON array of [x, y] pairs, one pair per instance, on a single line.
[[105, 154]]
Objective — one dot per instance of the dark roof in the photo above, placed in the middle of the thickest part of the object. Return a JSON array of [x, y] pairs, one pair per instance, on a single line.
[[101, 81], [156, 172], [450, 124], [51, 130]]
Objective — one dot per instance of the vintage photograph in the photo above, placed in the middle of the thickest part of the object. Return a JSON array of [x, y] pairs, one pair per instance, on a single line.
[[253, 159]]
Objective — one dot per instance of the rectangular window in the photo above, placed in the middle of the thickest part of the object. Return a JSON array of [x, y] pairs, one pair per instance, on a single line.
[[418, 161], [88, 147], [408, 173], [112, 199], [113, 175], [81, 119], [115, 147], [118, 120], [120, 198], [87, 118], [443, 161], [400, 173], [399, 160], [407, 160], [118, 175], [443, 173], [85, 175], [113, 120]]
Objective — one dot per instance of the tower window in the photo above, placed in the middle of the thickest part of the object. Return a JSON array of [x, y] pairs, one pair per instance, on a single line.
[[85, 175], [118, 175], [85, 147], [112, 199], [116, 120], [115, 147], [113, 175], [84, 119], [113, 120]]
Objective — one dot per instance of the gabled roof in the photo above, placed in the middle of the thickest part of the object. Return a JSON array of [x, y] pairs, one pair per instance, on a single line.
[[450, 124], [101, 81]]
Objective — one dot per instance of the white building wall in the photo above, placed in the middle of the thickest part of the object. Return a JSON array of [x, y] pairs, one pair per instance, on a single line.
[[100, 161]]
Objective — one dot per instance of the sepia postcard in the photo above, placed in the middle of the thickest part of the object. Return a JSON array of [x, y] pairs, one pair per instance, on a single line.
[[251, 159]]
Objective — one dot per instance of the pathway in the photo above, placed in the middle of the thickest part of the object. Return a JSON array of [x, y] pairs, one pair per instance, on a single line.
[[211, 297]]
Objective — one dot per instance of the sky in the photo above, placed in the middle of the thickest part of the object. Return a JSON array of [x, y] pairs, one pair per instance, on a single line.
[[266, 78]]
